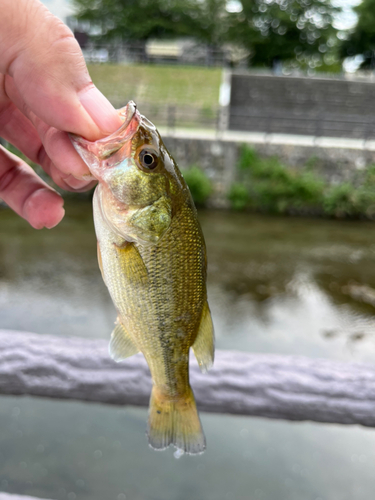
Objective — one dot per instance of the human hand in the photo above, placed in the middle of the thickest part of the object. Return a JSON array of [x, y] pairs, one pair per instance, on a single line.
[[45, 92]]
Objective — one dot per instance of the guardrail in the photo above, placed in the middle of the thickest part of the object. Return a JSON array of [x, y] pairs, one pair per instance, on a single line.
[[263, 385]]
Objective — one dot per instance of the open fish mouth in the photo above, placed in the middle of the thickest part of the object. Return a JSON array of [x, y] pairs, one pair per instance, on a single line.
[[94, 152]]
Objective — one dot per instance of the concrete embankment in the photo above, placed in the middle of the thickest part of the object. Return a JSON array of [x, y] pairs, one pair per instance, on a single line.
[[335, 159], [217, 153]]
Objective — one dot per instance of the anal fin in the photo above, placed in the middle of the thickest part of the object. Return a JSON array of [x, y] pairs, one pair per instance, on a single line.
[[204, 345], [121, 345]]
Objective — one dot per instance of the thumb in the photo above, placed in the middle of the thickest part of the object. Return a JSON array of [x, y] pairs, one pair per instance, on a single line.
[[45, 61]]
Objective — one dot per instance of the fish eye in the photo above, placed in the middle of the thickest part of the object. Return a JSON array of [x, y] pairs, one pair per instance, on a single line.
[[148, 159]]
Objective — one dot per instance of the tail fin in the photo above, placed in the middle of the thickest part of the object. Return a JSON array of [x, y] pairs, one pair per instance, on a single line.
[[175, 422]]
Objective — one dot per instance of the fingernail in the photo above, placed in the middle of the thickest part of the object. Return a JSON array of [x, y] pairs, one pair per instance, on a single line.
[[58, 219], [84, 177], [77, 184], [100, 110]]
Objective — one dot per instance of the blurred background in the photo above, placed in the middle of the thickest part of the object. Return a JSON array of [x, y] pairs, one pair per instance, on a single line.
[[267, 107]]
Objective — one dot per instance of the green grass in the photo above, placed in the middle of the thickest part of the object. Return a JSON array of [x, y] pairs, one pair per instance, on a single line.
[[266, 185], [179, 85]]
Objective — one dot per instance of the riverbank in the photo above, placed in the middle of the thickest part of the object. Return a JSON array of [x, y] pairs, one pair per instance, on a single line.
[[277, 174], [292, 175]]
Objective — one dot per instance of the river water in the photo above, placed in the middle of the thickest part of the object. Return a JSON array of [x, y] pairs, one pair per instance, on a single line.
[[277, 285]]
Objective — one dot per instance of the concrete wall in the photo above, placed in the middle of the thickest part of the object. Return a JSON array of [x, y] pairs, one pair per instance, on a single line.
[[218, 159]]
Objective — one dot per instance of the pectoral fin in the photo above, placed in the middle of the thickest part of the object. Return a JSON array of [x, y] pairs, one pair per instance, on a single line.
[[132, 265], [121, 345], [204, 345]]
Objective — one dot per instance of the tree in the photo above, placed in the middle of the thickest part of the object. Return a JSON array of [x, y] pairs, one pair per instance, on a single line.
[[270, 30], [139, 20], [361, 40], [285, 30]]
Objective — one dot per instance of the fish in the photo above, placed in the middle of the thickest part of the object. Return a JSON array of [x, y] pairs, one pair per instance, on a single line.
[[152, 257]]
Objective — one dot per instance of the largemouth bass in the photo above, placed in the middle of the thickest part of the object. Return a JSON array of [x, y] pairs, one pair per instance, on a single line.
[[152, 257]]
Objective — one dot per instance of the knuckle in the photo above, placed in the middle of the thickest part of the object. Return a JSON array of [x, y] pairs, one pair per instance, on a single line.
[[61, 38]]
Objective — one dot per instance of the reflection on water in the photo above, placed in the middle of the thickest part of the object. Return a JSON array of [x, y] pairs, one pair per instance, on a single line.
[[77, 451], [292, 286]]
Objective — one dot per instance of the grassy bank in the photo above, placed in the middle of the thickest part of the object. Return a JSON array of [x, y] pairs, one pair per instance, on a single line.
[[182, 85], [268, 186]]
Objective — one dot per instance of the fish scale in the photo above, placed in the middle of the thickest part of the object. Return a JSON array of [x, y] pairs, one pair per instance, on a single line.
[[152, 255], [170, 299]]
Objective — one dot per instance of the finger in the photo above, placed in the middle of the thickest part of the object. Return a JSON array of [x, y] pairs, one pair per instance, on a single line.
[[27, 194], [19, 131], [66, 181], [46, 63]]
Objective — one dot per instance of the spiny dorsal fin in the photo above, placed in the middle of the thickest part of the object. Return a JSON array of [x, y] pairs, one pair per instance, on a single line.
[[204, 345], [121, 345]]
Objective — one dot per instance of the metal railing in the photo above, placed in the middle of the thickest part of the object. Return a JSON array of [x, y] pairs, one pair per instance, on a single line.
[[317, 123], [180, 116], [301, 106]]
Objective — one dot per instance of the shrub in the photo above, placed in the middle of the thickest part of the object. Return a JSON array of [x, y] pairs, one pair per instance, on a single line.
[[345, 200], [268, 185], [199, 184], [238, 196]]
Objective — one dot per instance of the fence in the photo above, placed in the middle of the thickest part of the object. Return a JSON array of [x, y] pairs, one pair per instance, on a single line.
[[177, 116], [317, 107], [275, 105], [183, 52], [315, 123], [307, 106]]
